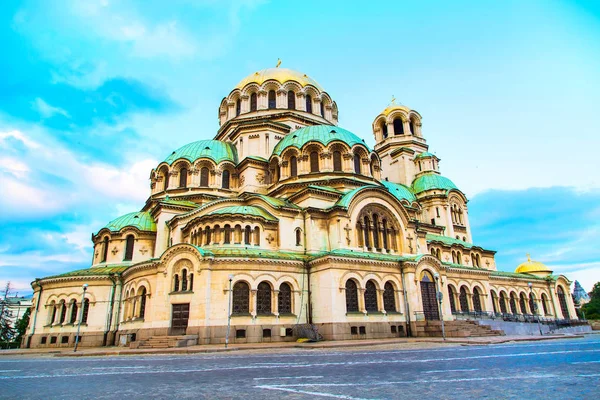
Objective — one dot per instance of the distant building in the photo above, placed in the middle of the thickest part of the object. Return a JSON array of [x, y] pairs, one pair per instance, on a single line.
[[304, 222], [17, 305]]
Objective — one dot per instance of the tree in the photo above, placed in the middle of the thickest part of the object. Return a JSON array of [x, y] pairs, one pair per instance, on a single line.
[[21, 325], [7, 332], [592, 309]]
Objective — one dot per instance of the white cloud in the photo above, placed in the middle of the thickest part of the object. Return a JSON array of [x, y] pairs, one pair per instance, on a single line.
[[14, 167], [18, 135], [46, 110], [130, 182]]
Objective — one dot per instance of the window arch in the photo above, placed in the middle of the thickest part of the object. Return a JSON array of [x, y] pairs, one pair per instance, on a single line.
[[74, 308], [494, 300], [63, 311], [143, 302], [241, 298], [513, 303], [291, 100], [176, 283], [357, 164], [451, 297], [263, 299], [256, 236], [562, 299], [503, 308], [371, 297], [309, 104], [247, 232], [462, 298], [477, 300], [522, 303], [412, 127], [389, 298], [293, 167], [184, 280], [53, 313], [129, 242], [367, 229], [322, 109], [398, 126], [207, 236], [314, 161], [204, 177], [284, 299], [384, 129], [225, 177], [183, 176], [351, 296], [85, 311], [253, 102], [545, 304], [376, 243], [227, 234], [272, 99], [104, 249], [238, 107], [337, 161], [166, 175]]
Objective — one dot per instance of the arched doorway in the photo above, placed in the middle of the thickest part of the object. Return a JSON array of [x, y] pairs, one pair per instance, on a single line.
[[477, 300], [563, 302], [428, 296], [462, 299]]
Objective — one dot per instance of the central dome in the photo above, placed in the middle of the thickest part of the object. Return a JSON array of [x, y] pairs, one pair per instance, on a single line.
[[323, 134], [280, 75]]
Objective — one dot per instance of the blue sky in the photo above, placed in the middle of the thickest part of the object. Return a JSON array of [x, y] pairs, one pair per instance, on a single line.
[[94, 93]]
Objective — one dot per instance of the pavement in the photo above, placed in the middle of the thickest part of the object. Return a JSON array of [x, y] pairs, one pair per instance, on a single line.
[[549, 369], [218, 348]]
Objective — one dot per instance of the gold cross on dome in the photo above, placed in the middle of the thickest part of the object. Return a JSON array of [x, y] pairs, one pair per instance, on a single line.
[[528, 257], [278, 63], [393, 99]]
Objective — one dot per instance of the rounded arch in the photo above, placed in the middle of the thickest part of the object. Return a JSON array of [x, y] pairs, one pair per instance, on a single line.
[[359, 279]]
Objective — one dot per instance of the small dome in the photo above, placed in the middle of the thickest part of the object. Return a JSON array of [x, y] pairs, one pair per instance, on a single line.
[[400, 191], [245, 211], [425, 154], [280, 75], [531, 266], [432, 181], [323, 134], [213, 149], [142, 221], [393, 107]]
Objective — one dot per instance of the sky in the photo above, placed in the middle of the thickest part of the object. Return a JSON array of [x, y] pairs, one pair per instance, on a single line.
[[94, 93]]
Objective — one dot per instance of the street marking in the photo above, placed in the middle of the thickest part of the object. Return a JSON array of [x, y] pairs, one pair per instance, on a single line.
[[10, 370], [284, 389], [585, 362], [450, 370], [141, 366], [291, 377]]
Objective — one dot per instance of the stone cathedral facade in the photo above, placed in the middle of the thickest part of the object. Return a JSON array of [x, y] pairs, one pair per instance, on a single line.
[[285, 218]]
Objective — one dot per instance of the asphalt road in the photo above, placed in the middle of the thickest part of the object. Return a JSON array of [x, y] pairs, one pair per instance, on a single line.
[[549, 370]]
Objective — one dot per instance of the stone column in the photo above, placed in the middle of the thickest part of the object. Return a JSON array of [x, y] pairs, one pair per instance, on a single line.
[[361, 300], [253, 302], [275, 302]]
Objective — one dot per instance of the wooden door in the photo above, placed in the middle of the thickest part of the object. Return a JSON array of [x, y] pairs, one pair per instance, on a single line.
[[179, 318]]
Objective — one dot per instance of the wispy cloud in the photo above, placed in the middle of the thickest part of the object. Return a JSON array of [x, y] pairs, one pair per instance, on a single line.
[[46, 110]]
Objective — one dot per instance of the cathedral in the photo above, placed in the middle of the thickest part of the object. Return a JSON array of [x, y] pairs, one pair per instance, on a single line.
[[287, 220]]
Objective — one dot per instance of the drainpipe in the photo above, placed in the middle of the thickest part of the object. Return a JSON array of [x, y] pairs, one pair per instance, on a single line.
[[406, 306], [110, 310], [35, 312]]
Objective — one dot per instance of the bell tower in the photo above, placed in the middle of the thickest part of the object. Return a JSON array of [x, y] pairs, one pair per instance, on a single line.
[[398, 142]]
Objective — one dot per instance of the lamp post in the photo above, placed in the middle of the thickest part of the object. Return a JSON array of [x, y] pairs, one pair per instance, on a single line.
[[535, 307], [85, 286], [440, 296], [228, 312]]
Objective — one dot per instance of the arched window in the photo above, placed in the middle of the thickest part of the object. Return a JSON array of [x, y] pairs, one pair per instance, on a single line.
[[167, 174], [86, 311], [227, 234], [191, 282], [477, 300], [376, 231], [184, 280], [458, 257], [204, 177], [532, 305], [176, 283], [398, 127], [241, 298], [337, 161], [247, 232], [462, 298], [263, 299], [129, 241], [183, 175], [351, 296], [73, 317], [389, 298], [104, 249], [322, 109], [298, 237], [545, 304], [207, 236], [272, 100], [253, 102], [291, 98], [143, 303], [53, 314], [371, 297], [256, 236], [385, 234], [293, 167], [63, 311], [357, 164], [513, 303], [308, 103], [503, 309], [225, 179], [451, 298], [522, 302], [562, 299], [314, 161], [494, 299], [384, 130], [238, 107], [284, 299], [366, 232], [412, 127]]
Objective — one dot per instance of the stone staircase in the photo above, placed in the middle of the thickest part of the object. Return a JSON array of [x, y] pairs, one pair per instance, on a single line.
[[165, 342], [459, 328]]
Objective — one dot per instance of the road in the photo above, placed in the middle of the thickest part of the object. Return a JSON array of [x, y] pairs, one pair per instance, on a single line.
[[526, 370]]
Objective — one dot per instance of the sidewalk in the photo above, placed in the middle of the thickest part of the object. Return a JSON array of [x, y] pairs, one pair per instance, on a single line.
[[413, 343]]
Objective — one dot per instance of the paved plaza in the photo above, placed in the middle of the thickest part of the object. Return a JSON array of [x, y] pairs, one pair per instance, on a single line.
[[567, 368]]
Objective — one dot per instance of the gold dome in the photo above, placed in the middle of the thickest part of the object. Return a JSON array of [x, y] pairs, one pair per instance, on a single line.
[[280, 75], [530, 267], [393, 107]]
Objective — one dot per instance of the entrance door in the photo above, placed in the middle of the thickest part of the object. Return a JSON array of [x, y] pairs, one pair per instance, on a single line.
[[428, 296], [179, 319]]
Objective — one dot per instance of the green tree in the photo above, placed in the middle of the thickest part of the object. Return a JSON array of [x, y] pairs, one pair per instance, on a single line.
[[21, 325], [592, 309], [7, 331]]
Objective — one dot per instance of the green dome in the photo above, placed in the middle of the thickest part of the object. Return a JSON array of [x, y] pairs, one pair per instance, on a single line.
[[399, 191], [323, 134], [250, 211], [432, 181], [215, 150], [424, 154], [140, 220]]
